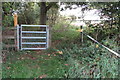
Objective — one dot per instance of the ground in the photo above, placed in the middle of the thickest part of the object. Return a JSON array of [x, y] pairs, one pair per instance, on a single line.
[[33, 64]]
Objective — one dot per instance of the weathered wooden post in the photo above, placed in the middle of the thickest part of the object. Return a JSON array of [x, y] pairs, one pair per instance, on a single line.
[[81, 31], [15, 31]]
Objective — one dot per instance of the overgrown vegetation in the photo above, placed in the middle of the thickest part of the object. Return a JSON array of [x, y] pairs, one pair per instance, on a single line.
[[68, 57]]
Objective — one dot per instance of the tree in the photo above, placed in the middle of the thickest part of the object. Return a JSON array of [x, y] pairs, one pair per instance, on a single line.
[[7, 13], [44, 7], [112, 10], [28, 9]]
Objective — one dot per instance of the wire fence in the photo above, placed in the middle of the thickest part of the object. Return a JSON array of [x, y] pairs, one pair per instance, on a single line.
[[117, 54]]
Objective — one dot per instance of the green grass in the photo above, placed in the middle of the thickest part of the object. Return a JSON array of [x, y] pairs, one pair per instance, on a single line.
[[21, 66]]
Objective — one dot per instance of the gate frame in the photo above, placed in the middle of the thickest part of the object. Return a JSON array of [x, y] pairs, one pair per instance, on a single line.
[[20, 37]]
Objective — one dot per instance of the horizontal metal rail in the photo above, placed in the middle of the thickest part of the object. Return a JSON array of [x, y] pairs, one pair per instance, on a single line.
[[45, 33], [33, 37], [32, 48], [33, 43], [34, 32], [34, 25]]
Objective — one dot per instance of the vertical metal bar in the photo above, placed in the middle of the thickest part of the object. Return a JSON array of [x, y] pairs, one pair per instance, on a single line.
[[47, 36], [21, 37], [18, 37]]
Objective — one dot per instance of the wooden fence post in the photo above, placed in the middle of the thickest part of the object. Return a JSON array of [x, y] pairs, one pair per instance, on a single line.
[[15, 31], [81, 28]]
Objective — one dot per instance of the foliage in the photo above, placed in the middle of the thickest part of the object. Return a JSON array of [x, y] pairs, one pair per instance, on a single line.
[[68, 58], [75, 62], [91, 62], [100, 32], [24, 10], [110, 10], [87, 60], [28, 9], [52, 16], [7, 14], [64, 31]]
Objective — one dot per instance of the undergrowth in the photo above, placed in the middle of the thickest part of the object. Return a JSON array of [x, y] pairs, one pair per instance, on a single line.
[[90, 62], [87, 60], [67, 58]]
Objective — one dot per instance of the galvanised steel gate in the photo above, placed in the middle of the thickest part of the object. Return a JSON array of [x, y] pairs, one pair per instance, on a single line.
[[32, 37]]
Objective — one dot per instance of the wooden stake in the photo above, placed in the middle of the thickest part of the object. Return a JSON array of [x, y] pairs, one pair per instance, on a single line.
[[81, 28], [15, 32]]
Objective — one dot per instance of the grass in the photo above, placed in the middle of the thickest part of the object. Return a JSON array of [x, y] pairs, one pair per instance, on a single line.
[[33, 65]]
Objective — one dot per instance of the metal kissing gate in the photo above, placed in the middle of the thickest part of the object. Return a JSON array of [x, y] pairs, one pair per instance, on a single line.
[[32, 37]]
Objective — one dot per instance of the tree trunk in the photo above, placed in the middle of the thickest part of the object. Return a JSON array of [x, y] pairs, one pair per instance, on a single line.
[[43, 16], [43, 13]]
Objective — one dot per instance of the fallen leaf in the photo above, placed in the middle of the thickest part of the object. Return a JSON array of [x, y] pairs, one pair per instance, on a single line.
[[22, 58], [60, 52], [97, 46], [8, 67], [66, 64], [33, 58], [42, 76], [48, 54], [54, 54]]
